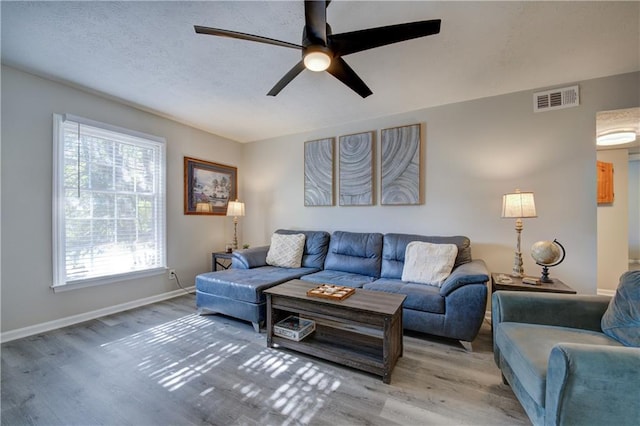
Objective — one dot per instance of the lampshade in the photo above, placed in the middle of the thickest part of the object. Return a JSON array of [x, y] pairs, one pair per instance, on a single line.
[[203, 208], [518, 205], [317, 60], [235, 208], [616, 138]]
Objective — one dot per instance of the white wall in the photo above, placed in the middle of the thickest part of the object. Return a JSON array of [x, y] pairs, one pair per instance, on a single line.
[[28, 103], [613, 223], [475, 152], [634, 207]]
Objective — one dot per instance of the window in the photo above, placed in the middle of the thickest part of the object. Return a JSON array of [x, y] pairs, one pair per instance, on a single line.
[[108, 203]]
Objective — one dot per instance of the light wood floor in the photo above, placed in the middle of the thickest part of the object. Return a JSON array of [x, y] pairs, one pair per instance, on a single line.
[[165, 365]]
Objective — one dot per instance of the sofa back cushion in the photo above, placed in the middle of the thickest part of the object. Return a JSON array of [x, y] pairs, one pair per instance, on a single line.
[[395, 245], [315, 247], [356, 253]]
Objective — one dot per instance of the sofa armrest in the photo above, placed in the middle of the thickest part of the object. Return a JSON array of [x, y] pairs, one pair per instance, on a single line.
[[562, 310], [593, 384], [474, 272], [250, 258]]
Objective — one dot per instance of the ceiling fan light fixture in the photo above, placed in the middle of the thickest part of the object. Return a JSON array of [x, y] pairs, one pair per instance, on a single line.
[[317, 60], [616, 138]]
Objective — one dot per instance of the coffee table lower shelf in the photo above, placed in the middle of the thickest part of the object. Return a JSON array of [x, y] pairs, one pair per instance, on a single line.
[[361, 352]]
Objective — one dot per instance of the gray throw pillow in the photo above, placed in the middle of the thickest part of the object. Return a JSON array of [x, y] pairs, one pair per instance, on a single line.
[[286, 251], [621, 321]]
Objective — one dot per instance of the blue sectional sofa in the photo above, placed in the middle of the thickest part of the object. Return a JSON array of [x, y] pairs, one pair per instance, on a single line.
[[362, 260], [237, 291]]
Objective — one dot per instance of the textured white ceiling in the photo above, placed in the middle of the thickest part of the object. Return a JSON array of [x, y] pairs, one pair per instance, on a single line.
[[147, 54], [620, 120]]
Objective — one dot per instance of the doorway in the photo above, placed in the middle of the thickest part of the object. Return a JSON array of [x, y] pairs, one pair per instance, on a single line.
[[618, 232]]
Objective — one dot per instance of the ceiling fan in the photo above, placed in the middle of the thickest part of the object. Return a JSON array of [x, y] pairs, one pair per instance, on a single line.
[[322, 50]]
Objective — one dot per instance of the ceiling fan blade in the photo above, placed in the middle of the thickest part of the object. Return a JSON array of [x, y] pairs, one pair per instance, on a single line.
[[357, 41], [315, 17], [243, 36], [288, 77], [343, 72]]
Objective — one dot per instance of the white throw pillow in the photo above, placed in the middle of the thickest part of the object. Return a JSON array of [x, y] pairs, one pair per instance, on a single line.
[[286, 250], [428, 263]]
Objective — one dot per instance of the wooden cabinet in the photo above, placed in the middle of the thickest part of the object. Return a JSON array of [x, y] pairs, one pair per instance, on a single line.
[[605, 182]]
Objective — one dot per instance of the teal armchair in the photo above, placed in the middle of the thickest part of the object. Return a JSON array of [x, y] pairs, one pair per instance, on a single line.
[[560, 365]]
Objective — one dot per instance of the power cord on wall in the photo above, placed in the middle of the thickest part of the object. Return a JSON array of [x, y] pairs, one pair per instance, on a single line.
[[180, 285]]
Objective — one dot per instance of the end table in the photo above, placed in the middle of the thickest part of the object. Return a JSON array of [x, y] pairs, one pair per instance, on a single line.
[[516, 284], [216, 258]]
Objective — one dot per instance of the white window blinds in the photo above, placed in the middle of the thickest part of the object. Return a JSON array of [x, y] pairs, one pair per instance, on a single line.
[[109, 202]]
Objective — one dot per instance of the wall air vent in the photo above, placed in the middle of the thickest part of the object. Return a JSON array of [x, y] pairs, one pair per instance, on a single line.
[[556, 99]]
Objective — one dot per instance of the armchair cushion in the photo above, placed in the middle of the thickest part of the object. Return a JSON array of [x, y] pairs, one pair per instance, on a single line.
[[621, 320], [526, 348]]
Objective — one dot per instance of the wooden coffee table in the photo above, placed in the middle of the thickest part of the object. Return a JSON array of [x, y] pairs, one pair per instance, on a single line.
[[363, 331]]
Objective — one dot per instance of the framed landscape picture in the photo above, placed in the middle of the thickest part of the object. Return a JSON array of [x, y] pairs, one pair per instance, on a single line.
[[208, 187], [400, 153]]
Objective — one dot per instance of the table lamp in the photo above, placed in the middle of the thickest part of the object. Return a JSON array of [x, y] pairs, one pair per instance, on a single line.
[[235, 209], [518, 205], [203, 208]]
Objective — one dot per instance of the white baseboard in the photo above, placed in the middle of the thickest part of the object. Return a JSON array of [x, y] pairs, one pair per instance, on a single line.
[[19, 333], [603, 292]]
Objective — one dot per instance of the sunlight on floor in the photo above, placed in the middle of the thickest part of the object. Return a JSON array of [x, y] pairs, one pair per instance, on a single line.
[[303, 395], [300, 387], [189, 332]]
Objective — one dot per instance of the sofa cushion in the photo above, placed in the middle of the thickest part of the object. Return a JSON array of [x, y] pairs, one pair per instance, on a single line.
[[526, 349], [338, 278], [395, 246], [420, 297], [247, 284], [316, 245], [356, 253], [428, 263], [285, 251], [621, 320]]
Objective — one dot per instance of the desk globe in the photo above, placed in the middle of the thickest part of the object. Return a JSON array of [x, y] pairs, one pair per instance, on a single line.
[[547, 254]]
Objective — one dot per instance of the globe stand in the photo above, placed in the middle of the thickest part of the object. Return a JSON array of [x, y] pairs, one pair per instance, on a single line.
[[545, 275]]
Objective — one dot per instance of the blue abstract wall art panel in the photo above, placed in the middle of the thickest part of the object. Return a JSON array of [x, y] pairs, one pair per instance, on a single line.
[[318, 172], [356, 169], [400, 152]]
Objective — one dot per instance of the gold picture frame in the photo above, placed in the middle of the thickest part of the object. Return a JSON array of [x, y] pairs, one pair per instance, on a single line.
[[208, 187]]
